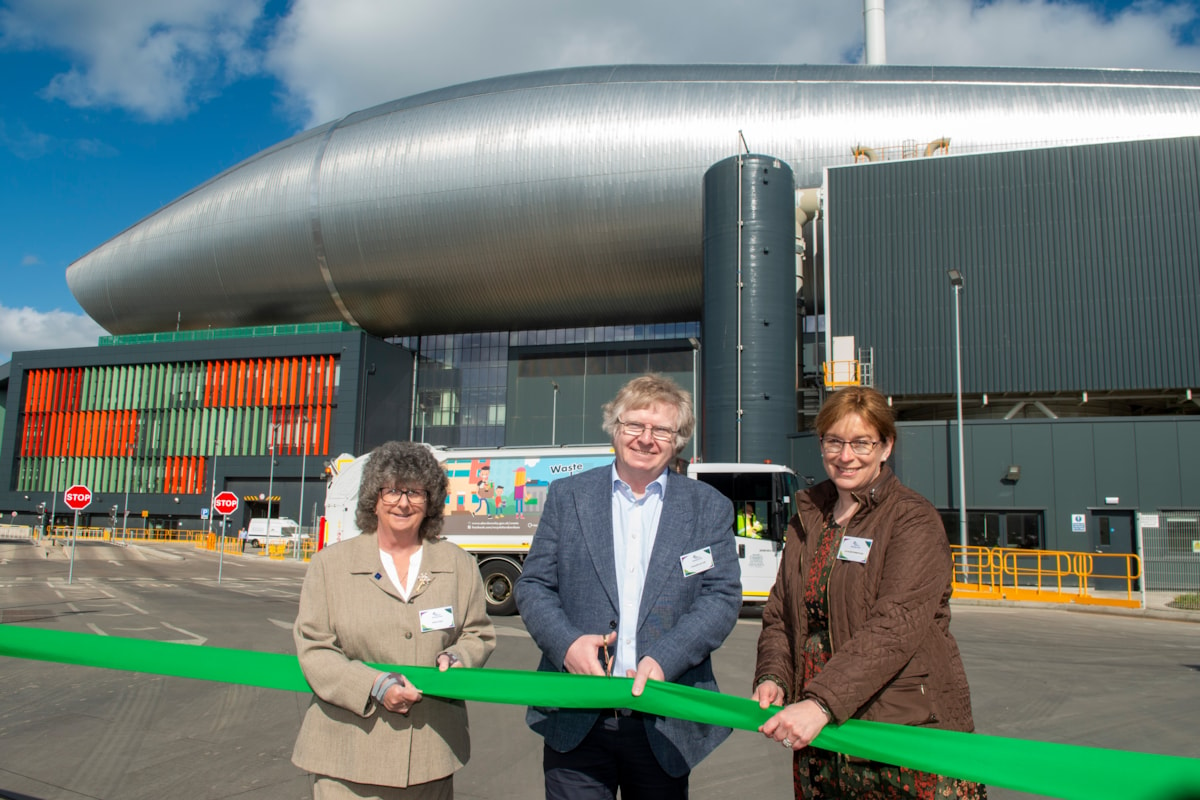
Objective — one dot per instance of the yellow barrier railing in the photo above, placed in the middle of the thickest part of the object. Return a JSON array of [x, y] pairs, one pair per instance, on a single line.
[[1047, 576], [842, 373]]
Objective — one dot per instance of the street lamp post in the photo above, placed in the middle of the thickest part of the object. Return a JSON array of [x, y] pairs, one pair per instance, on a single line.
[[270, 481], [554, 414], [303, 460], [54, 493], [130, 447], [956, 281]]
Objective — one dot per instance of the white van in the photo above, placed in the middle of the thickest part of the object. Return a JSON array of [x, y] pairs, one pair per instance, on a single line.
[[283, 530]]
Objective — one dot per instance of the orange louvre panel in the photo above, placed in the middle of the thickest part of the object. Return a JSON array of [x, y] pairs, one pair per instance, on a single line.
[[295, 379], [201, 463], [319, 380], [31, 392], [325, 437], [110, 431], [97, 420], [273, 389], [210, 371], [240, 397], [91, 433], [283, 382], [247, 375], [260, 394], [223, 396]]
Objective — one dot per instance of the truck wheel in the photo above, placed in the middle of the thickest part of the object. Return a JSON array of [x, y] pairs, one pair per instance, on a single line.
[[499, 578], [254, 543]]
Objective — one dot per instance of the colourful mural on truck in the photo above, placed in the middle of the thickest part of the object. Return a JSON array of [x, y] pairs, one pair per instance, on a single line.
[[505, 495]]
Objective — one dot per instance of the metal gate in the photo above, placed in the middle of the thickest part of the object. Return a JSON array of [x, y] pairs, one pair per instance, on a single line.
[[1171, 550]]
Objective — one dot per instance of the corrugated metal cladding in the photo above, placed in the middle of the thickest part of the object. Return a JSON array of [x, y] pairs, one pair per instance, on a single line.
[[749, 322], [557, 199], [1081, 267]]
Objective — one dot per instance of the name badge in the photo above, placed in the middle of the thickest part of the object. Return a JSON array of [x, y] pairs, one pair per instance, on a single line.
[[696, 562], [437, 619], [854, 548]]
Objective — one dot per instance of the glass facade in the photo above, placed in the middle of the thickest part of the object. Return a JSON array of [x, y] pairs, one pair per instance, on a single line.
[[463, 379]]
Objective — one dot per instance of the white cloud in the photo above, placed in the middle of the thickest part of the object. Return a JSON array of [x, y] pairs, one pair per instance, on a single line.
[[29, 329], [1041, 33], [151, 58], [332, 57], [338, 56], [30, 260]]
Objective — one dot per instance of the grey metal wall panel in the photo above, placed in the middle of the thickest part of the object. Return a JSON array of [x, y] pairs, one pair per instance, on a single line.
[[1116, 465], [1080, 268], [1158, 443]]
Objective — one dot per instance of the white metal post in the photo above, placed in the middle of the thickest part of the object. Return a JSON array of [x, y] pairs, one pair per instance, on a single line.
[[956, 280], [554, 414]]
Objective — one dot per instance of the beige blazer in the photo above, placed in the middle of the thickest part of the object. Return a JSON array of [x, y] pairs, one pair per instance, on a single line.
[[350, 613]]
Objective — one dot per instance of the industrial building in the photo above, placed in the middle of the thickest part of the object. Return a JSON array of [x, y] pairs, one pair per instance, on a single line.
[[496, 258]]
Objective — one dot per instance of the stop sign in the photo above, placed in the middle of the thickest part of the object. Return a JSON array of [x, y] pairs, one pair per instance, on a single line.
[[225, 503], [78, 497]]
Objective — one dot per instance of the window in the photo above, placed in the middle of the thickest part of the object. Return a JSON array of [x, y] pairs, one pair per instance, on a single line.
[[1022, 529]]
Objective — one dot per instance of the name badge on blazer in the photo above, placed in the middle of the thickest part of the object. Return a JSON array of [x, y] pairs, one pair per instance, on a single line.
[[854, 548], [696, 562], [437, 619]]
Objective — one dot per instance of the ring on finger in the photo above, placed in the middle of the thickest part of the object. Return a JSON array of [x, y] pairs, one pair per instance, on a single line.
[[787, 743]]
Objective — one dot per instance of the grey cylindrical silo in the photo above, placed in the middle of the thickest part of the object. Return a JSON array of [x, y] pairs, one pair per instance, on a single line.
[[754, 296]]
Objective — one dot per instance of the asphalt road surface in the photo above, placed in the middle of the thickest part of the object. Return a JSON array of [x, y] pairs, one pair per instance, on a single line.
[[69, 732]]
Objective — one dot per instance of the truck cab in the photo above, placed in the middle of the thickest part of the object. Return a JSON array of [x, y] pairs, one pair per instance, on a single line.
[[762, 496]]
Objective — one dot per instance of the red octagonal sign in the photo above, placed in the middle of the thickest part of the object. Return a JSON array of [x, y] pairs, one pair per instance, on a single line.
[[78, 497], [225, 503]]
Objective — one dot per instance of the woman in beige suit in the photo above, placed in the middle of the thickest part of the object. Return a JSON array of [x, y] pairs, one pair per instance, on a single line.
[[399, 596]]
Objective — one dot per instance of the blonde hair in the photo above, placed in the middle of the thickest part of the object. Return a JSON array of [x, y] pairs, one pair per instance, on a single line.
[[649, 390]]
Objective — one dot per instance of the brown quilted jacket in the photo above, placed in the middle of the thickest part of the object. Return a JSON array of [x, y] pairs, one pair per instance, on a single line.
[[894, 659]]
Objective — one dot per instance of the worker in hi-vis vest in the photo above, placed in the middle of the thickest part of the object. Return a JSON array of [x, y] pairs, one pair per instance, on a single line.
[[748, 524]]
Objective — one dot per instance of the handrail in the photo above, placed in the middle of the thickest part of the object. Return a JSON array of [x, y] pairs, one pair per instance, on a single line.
[[1048, 576]]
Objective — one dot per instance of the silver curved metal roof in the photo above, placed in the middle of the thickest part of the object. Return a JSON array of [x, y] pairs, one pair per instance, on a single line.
[[569, 197]]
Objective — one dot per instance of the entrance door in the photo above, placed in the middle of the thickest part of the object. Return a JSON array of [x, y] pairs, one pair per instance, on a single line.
[[1112, 535]]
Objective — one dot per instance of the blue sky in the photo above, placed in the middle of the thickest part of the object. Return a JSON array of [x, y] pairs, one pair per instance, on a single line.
[[110, 109]]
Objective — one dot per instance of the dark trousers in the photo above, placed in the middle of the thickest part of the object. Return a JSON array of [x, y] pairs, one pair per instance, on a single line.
[[615, 754]]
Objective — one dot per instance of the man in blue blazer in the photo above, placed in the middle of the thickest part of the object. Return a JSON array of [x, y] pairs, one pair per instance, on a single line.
[[633, 571]]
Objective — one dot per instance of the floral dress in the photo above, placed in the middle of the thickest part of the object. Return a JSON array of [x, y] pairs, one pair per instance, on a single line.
[[825, 774]]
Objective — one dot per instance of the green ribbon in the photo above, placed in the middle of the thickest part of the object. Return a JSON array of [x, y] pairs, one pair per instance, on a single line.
[[1054, 770]]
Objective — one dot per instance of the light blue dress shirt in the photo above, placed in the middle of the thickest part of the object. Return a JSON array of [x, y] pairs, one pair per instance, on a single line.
[[635, 524]]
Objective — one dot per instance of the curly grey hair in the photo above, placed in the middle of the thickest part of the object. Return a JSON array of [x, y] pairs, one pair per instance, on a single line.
[[648, 390], [402, 463]]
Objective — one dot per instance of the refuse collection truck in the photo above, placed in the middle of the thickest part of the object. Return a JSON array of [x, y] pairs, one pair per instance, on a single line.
[[496, 496]]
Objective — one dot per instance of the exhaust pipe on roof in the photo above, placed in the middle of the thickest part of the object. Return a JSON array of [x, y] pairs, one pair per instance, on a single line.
[[875, 35]]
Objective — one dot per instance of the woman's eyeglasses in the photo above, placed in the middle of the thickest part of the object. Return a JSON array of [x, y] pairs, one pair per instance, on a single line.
[[831, 446], [416, 497]]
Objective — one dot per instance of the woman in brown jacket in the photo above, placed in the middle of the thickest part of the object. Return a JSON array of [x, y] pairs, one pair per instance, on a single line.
[[858, 622], [394, 595]]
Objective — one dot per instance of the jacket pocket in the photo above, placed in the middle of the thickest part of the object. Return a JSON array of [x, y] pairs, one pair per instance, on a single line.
[[906, 701]]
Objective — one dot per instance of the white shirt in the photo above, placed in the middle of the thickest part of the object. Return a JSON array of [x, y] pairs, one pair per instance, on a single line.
[[414, 566], [635, 524]]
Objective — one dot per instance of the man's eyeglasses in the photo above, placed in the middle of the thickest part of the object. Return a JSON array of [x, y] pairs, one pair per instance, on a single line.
[[636, 429], [831, 446], [416, 497]]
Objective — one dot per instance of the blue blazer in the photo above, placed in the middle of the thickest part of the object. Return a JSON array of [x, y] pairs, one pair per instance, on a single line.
[[568, 589]]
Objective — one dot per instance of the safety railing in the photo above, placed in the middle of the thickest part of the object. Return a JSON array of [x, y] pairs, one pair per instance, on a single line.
[[1047, 576], [842, 373]]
